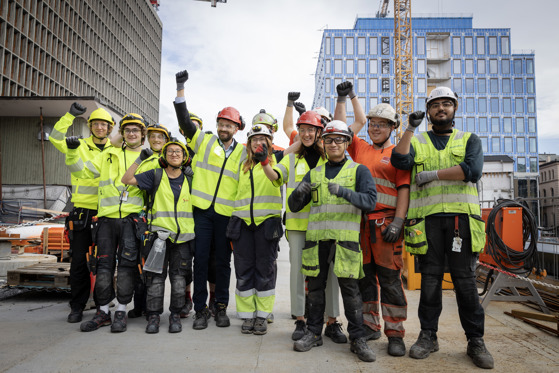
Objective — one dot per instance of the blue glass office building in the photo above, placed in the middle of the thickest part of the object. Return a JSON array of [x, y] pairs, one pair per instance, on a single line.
[[496, 87]]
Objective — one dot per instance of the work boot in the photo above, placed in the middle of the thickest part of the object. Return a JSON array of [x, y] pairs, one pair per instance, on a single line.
[[370, 334], [360, 347], [75, 315], [300, 330], [248, 326], [479, 354], [100, 319], [334, 332], [119, 323], [221, 318], [201, 319], [270, 318], [426, 343], [135, 313], [396, 346], [308, 341], [153, 324], [175, 325], [260, 326], [186, 309]]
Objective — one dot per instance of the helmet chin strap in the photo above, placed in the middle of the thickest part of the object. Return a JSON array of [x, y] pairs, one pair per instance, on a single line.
[[381, 144], [134, 147]]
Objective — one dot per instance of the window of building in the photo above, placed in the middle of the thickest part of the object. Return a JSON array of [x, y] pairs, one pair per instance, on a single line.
[[456, 45], [469, 66], [505, 45], [458, 123], [349, 67], [373, 85], [362, 86], [519, 125], [470, 124], [521, 167], [517, 66], [531, 124], [519, 105], [483, 124], [373, 67], [520, 145], [373, 101], [507, 124], [338, 46], [421, 66], [534, 168], [385, 100], [457, 85], [361, 46], [420, 42], [328, 67], [508, 144], [385, 47], [470, 85], [530, 88], [480, 45], [385, 85], [494, 105], [492, 45], [481, 66], [533, 145], [470, 107], [327, 85], [363, 103], [507, 105], [337, 66], [421, 86], [468, 45], [482, 105], [494, 85], [505, 67], [493, 66], [460, 106], [481, 85], [495, 125], [506, 85], [349, 46], [531, 103], [495, 144], [484, 144], [457, 67], [385, 64], [518, 86], [529, 66], [361, 67], [373, 50], [327, 46]]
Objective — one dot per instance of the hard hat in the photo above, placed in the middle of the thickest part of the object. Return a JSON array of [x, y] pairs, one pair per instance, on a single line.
[[442, 92], [312, 118], [258, 129], [132, 118], [385, 111], [265, 118], [233, 115], [337, 127], [175, 142], [101, 114], [198, 119], [323, 113], [159, 128]]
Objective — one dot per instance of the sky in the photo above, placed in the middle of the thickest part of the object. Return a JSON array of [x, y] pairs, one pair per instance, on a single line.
[[250, 53]]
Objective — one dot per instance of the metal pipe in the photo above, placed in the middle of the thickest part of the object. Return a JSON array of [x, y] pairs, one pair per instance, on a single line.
[[43, 156]]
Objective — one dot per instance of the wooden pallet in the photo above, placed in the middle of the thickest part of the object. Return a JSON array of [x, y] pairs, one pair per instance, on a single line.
[[41, 275]]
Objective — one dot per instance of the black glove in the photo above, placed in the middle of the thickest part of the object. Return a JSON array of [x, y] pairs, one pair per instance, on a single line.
[[72, 142], [300, 107], [292, 97], [261, 154], [344, 89], [144, 154], [77, 109], [415, 119], [181, 77], [392, 232]]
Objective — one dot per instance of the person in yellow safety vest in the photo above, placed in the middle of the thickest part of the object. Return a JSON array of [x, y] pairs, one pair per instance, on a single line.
[[338, 192], [288, 127], [171, 212], [118, 220], [214, 187], [255, 230], [444, 228], [84, 198], [290, 171]]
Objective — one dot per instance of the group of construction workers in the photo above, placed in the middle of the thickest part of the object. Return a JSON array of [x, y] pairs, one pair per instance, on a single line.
[[183, 209]]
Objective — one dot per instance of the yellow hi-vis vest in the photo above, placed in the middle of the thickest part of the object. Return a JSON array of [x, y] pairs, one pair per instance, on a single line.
[[291, 170], [257, 198], [334, 218], [174, 218], [441, 196], [84, 191], [215, 177], [116, 200]]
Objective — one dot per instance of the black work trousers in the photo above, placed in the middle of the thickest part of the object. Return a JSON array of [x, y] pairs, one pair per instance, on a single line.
[[349, 288], [461, 265]]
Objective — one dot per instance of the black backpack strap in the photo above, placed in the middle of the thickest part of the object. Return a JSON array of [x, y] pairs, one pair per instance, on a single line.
[[158, 174]]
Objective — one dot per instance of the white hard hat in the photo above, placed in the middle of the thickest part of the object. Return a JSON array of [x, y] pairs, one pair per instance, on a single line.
[[323, 113], [259, 129], [442, 92], [337, 127], [385, 111]]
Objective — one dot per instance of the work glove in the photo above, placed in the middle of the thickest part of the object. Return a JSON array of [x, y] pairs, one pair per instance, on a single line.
[[300, 107], [336, 189], [181, 77], [425, 177], [344, 89], [144, 154], [72, 142], [302, 189], [415, 119], [261, 154], [77, 109], [392, 232], [292, 97]]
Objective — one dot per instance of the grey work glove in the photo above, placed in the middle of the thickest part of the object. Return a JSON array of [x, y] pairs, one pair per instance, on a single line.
[[300, 107], [77, 109], [425, 177], [393, 231], [292, 97], [181, 77], [415, 119], [303, 189], [72, 142], [344, 89], [144, 154], [337, 190]]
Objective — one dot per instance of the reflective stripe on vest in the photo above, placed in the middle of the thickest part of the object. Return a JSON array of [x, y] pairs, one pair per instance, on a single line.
[[383, 198]]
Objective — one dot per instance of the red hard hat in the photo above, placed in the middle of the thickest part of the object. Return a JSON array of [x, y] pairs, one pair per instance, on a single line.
[[312, 118], [233, 115]]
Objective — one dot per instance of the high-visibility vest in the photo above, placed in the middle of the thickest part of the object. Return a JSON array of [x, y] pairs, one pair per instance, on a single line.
[[84, 191], [152, 162], [174, 218], [116, 200], [215, 176], [441, 196], [291, 170], [257, 198]]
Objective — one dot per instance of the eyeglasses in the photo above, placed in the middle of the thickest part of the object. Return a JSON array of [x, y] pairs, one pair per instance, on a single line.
[[379, 125], [444, 104], [157, 136], [337, 140], [309, 130], [99, 124], [226, 126], [174, 152], [258, 138], [134, 130]]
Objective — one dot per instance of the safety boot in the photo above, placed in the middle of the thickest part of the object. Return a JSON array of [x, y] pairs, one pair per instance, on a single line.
[[75, 315], [119, 323], [308, 341], [201, 319], [426, 343], [248, 326], [221, 318], [100, 319], [479, 354], [396, 346], [186, 309], [153, 324], [175, 325], [300, 330], [260, 326], [334, 332], [360, 347]]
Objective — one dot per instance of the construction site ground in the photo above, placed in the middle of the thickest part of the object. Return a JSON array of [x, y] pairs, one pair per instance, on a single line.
[[35, 337]]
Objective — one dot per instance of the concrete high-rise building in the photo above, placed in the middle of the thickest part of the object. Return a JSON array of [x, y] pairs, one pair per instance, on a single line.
[[496, 86]]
